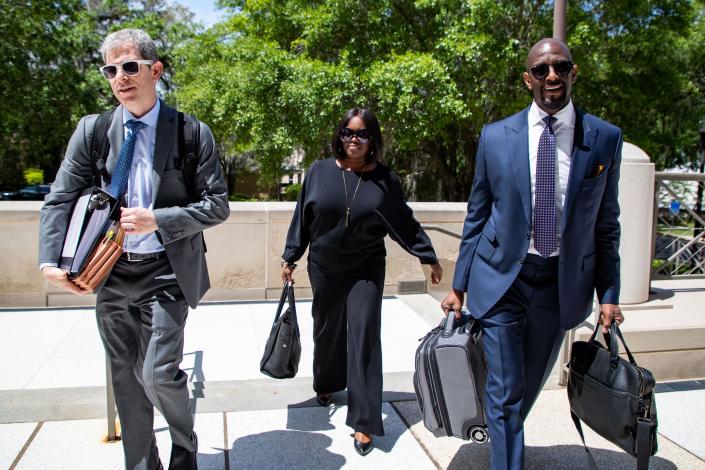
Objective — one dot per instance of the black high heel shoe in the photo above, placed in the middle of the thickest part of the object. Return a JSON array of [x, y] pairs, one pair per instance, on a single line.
[[324, 399], [363, 448]]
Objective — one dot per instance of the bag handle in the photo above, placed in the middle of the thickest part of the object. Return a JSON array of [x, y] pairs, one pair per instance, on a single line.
[[292, 306], [450, 322], [612, 343], [287, 296], [284, 296]]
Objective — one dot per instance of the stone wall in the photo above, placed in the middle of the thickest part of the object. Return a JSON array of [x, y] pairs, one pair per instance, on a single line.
[[243, 254]]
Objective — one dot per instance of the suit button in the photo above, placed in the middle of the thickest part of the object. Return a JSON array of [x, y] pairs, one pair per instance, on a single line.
[[528, 236]]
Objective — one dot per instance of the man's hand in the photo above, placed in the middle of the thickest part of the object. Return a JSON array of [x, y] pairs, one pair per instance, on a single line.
[[436, 274], [453, 301], [137, 220], [60, 278], [608, 314]]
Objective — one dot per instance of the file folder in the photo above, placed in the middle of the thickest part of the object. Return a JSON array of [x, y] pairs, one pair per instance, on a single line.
[[92, 214]]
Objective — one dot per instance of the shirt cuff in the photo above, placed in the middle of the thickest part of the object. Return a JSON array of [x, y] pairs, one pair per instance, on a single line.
[[48, 265]]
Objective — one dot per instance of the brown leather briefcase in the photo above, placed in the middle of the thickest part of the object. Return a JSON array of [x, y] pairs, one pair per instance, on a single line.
[[102, 259]]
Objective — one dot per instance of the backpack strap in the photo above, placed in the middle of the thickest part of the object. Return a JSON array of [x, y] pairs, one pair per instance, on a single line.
[[100, 146], [189, 143]]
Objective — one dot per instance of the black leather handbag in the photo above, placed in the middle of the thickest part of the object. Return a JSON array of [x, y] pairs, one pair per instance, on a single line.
[[283, 349], [613, 396]]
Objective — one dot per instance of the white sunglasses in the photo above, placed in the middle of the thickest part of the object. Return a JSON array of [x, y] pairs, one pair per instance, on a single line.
[[129, 67]]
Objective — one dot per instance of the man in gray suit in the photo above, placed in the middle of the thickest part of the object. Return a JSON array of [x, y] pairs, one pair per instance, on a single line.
[[142, 307]]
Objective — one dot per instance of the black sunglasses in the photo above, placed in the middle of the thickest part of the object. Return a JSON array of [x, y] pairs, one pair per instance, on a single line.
[[562, 68], [129, 67], [363, 135]]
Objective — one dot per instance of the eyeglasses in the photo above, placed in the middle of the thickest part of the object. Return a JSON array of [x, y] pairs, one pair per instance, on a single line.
[[363, 135], [129, 67], [562, 68]]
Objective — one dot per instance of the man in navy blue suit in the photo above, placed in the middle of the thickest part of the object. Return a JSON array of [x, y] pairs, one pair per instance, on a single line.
[[540, 238]]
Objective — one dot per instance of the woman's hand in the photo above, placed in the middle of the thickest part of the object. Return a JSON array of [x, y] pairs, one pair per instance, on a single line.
[[436, 274], [288, 273]]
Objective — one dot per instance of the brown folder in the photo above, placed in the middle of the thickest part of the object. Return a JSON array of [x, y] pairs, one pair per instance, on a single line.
[[102, 259]]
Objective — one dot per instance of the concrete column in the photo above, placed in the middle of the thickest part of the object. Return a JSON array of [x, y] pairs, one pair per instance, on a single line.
[[636, 196]]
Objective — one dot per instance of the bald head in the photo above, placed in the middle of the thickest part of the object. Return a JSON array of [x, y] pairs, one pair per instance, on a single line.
[[546, 45], [550, 74]]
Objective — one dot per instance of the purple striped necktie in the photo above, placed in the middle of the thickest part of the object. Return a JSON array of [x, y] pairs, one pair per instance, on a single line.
[[545, 240]]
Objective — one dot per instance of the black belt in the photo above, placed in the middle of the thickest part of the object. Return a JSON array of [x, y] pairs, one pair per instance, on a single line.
[[142, 256], [540, 260]]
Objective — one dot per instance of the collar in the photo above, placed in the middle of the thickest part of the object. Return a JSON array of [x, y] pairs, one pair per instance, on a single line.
[[565, 117], [149, 119]]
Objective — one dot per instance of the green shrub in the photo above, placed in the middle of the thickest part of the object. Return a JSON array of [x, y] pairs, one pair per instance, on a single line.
[[33, 176], [241, 198], [291, 193]]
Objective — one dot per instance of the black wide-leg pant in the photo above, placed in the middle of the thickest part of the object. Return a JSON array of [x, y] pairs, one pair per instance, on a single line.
[[347, 307]]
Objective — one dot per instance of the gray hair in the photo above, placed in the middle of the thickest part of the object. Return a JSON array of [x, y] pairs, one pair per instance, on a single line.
[[136, 37]]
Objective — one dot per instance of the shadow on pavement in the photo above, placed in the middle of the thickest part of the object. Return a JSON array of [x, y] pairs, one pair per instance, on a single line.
[[568, 457], [317, 418], [288, 450]]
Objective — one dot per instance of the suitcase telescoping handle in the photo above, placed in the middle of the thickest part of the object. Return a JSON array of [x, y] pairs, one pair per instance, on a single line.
[[450, 322]]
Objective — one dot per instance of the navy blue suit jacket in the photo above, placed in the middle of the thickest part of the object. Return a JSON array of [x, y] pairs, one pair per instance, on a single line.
[[497, 228]]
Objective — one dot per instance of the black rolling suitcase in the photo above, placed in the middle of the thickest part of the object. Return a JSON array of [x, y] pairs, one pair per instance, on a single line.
[[449, 379]]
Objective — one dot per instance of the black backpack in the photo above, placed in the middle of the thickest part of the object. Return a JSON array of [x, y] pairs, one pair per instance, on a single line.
[[189, 136]]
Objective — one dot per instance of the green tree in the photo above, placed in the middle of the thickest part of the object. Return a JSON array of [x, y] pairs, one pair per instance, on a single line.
[[643, 64], [276, 75], [53, 78], [40, 88]]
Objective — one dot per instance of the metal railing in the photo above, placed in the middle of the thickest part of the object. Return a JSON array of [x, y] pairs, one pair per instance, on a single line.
[[678, 239]]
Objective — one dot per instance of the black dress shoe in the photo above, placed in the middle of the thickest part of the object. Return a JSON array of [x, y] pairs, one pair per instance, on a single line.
[[324, 400], [183, 459], [363, 448]]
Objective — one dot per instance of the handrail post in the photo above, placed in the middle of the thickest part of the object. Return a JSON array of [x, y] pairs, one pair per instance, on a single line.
[[565, 356], [110, 402], [654, 228]]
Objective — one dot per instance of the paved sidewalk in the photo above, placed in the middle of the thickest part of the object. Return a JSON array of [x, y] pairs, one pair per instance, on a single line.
[[52, 402]]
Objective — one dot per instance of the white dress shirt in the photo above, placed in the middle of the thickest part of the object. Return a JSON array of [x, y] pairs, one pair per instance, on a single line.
[[139, 186], [564, 130]]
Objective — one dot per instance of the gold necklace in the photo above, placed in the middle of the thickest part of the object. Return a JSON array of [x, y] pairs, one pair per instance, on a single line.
[[345, 186]]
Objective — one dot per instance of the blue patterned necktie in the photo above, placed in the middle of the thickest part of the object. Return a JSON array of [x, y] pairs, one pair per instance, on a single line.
[[118, 182], [545, 192]]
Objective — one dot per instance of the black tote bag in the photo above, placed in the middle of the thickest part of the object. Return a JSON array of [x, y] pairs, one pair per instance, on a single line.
[[283, 349], [614, 396]]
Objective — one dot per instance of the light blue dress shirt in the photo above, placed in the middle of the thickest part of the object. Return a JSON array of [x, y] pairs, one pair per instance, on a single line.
[[139, 187]]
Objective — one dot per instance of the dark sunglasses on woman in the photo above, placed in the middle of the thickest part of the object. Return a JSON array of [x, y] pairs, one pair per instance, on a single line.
[[562, 68], [363, 135], [129, 67]]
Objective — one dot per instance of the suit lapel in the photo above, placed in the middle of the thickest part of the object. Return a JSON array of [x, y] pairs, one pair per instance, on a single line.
[[116, 135], [167, 132], [517, 135], [581, 156]]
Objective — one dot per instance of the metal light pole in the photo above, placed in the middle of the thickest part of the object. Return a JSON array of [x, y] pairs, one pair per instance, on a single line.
[[699, 199], [559, 8]]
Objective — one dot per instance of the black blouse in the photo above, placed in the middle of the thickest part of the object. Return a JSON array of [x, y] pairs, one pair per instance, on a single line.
[[379, 208]]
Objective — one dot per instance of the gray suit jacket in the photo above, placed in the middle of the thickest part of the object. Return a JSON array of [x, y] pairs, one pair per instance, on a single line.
[[181, 222]]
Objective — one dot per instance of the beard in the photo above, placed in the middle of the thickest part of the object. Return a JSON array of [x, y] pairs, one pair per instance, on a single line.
[[554, 103]]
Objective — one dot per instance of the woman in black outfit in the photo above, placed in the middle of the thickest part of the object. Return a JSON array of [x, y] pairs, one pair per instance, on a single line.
[[346, 207]]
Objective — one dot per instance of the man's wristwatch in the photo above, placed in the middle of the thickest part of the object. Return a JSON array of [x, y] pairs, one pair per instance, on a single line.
[[289, 265]]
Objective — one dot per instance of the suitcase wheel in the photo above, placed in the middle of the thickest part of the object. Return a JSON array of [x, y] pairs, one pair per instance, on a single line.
[[478, 434]]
